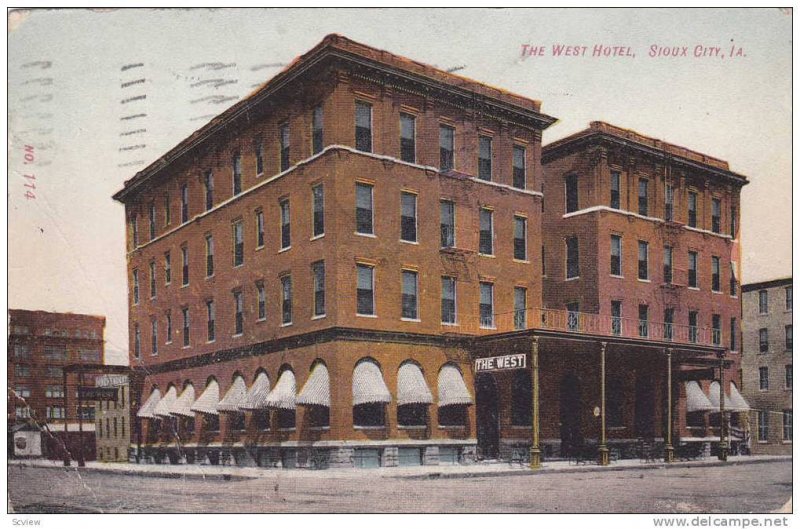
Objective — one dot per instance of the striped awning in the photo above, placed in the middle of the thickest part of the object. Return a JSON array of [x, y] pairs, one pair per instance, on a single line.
[[696, 400], [147, 409], [730, 403], [256, 398], [234, 396], [368, 385], [183, 404], [411, 386], [163, 407], [282, 395], [316, 391], [452, 389], [207, 403]]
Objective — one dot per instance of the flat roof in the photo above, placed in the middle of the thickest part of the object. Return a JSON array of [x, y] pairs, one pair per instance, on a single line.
[[771, 283]]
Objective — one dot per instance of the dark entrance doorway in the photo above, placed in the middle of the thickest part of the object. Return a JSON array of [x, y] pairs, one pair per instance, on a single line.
[[487, 416], [644, 409], [570, 415]]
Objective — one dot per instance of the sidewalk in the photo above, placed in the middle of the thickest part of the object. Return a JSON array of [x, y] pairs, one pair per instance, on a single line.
[[420, 472]]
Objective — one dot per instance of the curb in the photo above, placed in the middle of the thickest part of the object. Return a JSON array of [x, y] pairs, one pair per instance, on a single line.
[[155, 474]]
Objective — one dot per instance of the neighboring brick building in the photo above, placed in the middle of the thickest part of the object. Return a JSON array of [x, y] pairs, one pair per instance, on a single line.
[[313, 273], [40, 344], [767, 364], [113, 419]]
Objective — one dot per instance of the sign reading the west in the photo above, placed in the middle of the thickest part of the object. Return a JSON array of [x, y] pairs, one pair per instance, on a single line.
[[501, 363], [98, 393]]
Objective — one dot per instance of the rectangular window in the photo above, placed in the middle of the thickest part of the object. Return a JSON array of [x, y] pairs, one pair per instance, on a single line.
[[693, 326], [484, 158], [487, 305], [318, 198], [668, 264], [643, 198], [135, 231], [716, 329], [692, 209], [715, 274], [519, 168], [22, 371], [520, 238], [571, 190], [238, 309], [693, 269], [763, 340], [167, 268], [520, 308], [262, 301], [788, 376], [410, 310], [318, 271], [408, 147], [448, 224], [153, 337], [644, 249], [408, 217], [185, 311], [615, 186], [669, 203], [573, 261], [54, 392], [763, 302], [259, 228], [669, 320], [364, 209], [208, 183], [135, 287], [763, 378], [544, 263], [283, 135], [209, 256], [137, 341], [616, 255], [286, 297], [486, 243], [22, 351], [184, 203], [788, 333], [734, 287], [787, 425], [716, 215], [365, 295], [363, 127], [152, 279], [447, 139], [763, 425], [448, 300], [733, 221], [169, 326], [286, 226], [258, 150], [788, 292], [734, 330], [573, 316], [23, 392], [185, 267], [167, 210], [238, 243], [317, 127], [152, 220], [616, 317], [644, 325]]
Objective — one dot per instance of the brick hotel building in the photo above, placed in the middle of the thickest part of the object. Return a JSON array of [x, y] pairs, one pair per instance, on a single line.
[[313, 273]]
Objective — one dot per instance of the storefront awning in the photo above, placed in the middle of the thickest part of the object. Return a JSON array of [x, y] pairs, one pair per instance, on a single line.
[[234, 396], [183, 404], [207, 403], [368, 385], [256, 398], [730, 403], [411, 386], [165, 404], [696, 400], [283, 394], [452, 389], [316, 391], [147, 409], [737, 401]]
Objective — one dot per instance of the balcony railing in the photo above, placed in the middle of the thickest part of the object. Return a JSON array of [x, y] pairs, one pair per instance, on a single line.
[[583, 323]]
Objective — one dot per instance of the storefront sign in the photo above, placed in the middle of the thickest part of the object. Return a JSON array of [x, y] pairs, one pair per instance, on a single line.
[[501, 363], [98, 393]]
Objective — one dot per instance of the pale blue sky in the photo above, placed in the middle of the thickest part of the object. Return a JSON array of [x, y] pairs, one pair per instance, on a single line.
[[66, 247]]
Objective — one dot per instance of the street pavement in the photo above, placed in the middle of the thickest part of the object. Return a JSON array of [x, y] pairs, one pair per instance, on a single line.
[[741, 486]]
